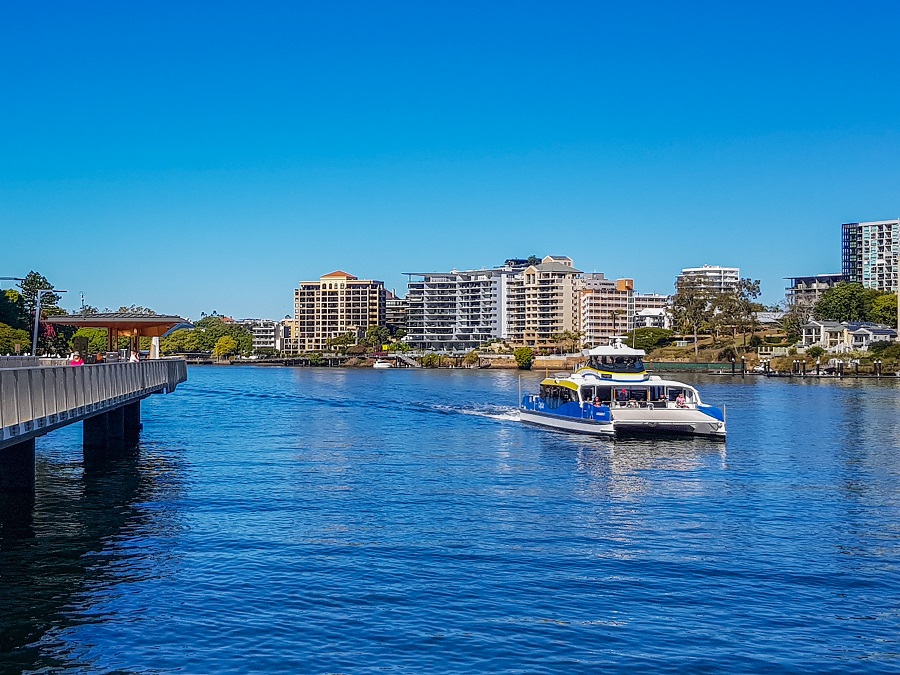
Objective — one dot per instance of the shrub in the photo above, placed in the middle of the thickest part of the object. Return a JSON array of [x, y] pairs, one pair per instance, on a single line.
[[524, 357]]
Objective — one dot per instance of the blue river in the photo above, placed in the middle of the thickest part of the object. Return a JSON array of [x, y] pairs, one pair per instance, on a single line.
[[282, 520]]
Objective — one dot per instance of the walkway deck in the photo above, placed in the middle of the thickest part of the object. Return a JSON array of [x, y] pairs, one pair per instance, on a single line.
[[37, 400]]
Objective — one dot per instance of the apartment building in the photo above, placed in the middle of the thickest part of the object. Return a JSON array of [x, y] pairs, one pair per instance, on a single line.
[[612, 308], [267, 334], [870, 253], [715, 278], [806, 291], [551, 302], [395, 312], [336, 304], [460, 310]]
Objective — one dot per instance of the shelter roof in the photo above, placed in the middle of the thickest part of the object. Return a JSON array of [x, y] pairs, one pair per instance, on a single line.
[[151, 325]]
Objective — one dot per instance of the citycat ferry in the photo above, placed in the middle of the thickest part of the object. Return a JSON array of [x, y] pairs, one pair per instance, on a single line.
[[613, 395]]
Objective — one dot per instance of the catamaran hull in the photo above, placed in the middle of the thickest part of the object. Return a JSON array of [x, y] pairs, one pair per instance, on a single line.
[[567, 423], [634, 423]]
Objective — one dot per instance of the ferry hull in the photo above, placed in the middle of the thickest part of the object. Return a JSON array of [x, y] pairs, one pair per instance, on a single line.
[[582, 426], [626, 422]]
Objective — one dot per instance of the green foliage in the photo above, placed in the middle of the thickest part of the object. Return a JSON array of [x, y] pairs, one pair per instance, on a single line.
[[204, 336], [524, 357], [648, 339], [793, 320], [183, 341], [224, 346], [567, 340], [471, 358], [431, 361], [137, 309], [755, 341], [344, 340], [97, 340], [727, 354], [12, 309], [884, 349], [10, 337], [692, 306], [398, 347], [33, 283], [884, 310], [376, 336], [846, 302], [815, 352], [316, 359]]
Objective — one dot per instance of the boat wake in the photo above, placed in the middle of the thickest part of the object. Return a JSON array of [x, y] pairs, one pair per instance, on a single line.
[[494, 412]]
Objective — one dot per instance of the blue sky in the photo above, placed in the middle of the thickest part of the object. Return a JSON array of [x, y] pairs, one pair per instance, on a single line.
[[195, 157]]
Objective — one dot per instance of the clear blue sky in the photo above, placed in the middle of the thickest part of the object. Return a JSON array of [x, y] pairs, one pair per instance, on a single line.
[[195, 157]]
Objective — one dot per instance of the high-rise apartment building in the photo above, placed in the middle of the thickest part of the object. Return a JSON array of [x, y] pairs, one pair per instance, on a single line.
[[714, 278], [336, 304], [610, 308], [267, 334], [551, 302], [395, 311], [808, 290], [460, 310], [870, 253]]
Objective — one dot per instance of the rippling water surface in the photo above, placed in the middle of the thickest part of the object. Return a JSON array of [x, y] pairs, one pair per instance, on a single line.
[[355, 521]]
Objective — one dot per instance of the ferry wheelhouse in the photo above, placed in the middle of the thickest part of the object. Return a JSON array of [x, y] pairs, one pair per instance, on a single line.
[[613, 395]]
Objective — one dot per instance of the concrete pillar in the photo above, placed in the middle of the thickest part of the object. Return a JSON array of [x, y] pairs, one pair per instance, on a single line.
[[17, 467], [96, 433], [132, 424], [116, 426]]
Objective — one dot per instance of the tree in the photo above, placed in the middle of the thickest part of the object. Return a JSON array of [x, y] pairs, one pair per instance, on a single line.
[[534, 260], [567, 340], [747, 292], [846, 302], [29, 287], [884, 310], [224, 346], [524, 357], [10, 337], [793, 320], [471, 359], [96, 339], [344, 340], [648, 339], [12, 309], [376, 336], [692, 306], [137, 309]]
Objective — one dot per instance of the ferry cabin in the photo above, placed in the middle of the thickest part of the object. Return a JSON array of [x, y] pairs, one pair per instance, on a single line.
[[651, 394]]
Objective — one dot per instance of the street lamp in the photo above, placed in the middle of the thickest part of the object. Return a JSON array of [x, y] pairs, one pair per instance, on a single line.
[[37, 315]]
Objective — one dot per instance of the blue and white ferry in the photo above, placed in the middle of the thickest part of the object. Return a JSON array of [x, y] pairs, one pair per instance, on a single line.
[[612, 395]]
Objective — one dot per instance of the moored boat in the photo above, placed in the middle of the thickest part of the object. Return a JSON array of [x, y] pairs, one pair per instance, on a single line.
[[613, 395], [379, 363]]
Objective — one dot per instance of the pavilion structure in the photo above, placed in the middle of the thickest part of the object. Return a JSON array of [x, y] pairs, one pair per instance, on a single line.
[[123, 324]]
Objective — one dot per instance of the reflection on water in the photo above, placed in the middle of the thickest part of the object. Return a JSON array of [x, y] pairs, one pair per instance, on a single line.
[[60, 546], [316, 520]]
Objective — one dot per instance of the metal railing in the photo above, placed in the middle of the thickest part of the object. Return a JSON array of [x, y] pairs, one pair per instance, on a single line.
[[35, 400]]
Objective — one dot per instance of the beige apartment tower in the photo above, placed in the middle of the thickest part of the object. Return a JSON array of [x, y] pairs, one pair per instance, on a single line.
[[336, 304], [550, 290]]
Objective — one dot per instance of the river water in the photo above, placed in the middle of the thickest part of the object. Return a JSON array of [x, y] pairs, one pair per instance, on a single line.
[[362, 521]]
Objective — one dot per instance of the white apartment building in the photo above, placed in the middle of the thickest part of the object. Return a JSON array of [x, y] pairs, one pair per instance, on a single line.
[[460, 310], [267, 334], [717, 279], [870, 254]]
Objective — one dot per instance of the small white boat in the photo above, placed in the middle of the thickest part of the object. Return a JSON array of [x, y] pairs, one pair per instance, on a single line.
[[380, 363], [613, 396]]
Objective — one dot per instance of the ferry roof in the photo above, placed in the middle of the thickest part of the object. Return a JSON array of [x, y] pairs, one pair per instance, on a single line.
[[617, 349]]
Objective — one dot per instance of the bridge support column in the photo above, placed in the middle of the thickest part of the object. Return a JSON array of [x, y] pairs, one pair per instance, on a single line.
[[17, 467], [132, 424], [116, 425]]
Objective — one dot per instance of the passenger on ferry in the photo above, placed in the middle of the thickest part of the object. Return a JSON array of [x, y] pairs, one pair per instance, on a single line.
[[679, 400]]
